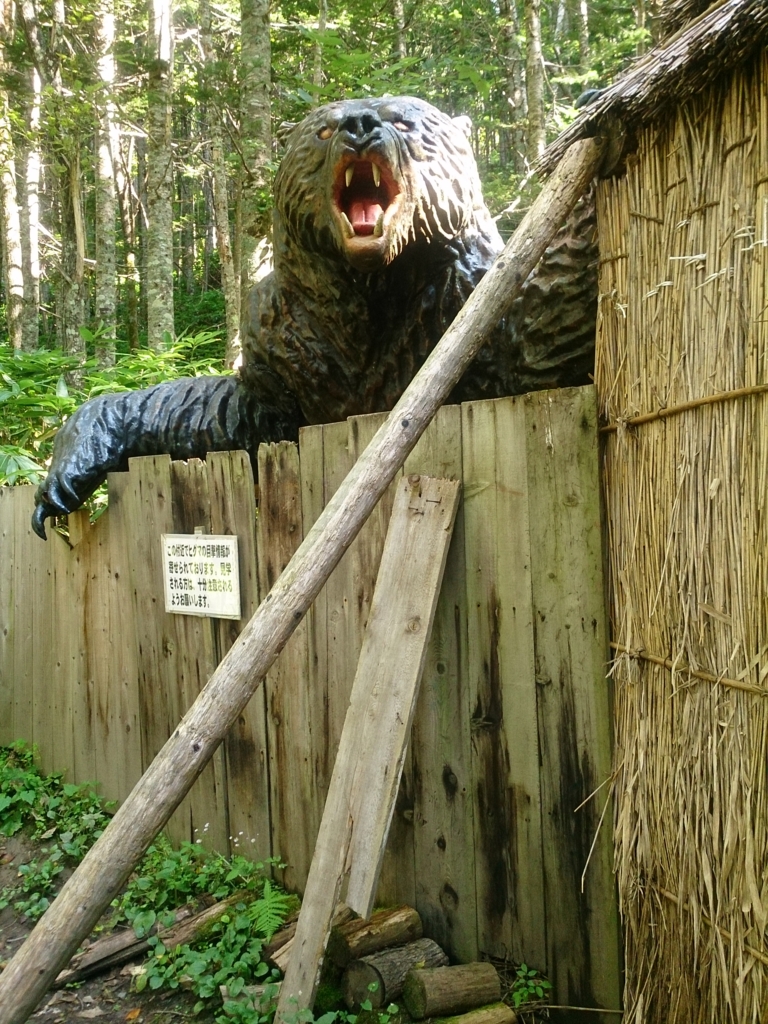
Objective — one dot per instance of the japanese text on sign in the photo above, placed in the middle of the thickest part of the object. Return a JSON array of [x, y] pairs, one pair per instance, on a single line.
[[201, 575]]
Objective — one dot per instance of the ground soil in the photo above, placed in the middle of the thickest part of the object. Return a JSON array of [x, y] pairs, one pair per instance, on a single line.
[[106, 998]]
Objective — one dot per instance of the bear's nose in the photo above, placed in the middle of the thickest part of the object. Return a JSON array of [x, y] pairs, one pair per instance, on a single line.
[[360, 128]]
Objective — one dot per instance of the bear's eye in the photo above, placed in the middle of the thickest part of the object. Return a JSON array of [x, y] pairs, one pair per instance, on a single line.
[[402, 126], [325, 133]]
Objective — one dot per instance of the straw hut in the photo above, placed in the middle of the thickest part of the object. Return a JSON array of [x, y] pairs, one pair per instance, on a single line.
[[681, 374]]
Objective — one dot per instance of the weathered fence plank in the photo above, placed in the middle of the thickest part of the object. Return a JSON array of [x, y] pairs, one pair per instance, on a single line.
[[24, 633], [233, 511], [573, 696], [443, 823], [64, 598], [149, 505], [515, 555], [289, 724], [194, 648], [504, 739], [7, 608], [44, 724], [122, 721]]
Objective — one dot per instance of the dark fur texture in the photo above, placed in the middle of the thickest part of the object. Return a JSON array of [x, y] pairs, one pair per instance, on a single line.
[[368, 274]]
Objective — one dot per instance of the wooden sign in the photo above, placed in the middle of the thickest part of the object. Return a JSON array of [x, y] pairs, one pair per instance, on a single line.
[[201, 575]]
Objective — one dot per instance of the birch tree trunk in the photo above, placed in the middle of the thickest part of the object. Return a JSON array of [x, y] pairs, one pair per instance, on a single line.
[[30, 210], [229, 285], [10, 223], [534, 80], [159, 283], [107, 143], [255, 132], [30, 206]]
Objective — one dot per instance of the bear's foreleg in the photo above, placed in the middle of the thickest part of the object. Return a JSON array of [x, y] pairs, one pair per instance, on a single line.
[[184, 418]]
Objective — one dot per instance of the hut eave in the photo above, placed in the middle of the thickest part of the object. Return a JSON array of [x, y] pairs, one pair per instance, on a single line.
[[727, 34]]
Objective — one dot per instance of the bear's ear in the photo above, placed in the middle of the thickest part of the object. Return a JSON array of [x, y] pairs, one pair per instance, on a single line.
[[283, 131], [464, 124]]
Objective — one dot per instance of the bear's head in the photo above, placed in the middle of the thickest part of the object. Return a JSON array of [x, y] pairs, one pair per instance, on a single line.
[[365, 178]]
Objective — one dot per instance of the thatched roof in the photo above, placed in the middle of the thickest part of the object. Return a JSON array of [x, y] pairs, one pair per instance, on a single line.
[[725, 35]]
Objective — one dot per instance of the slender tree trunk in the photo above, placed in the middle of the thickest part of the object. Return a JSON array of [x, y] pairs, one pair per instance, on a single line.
[[128, 207], [31, 221], [30, 207], [160, 177], [534, 80], [11, 229], [317, 74], [71, 291], [229, 285], [582, 23], [10, 222], [255, 131], [400, 40], [108, 142], [513, 145], [141, 192], [187, 218], [210, 227]]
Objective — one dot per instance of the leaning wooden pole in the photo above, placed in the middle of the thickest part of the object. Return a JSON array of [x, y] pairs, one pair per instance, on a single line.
[[97, 880]]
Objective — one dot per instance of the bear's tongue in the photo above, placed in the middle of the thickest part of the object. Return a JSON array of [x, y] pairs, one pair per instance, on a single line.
[[363, 214]]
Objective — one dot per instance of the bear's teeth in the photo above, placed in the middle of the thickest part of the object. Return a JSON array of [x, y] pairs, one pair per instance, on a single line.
[[347, 225], [349, 174], [378, 230], [376, 175]]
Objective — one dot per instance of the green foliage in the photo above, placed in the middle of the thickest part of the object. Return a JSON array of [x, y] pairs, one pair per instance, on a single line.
[[169, 878], [37, 395], [528, 986], [230, 954], [67, 818]]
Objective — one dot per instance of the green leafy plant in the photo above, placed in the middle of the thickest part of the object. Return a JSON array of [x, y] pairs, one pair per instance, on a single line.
[[67, 818], [39, 390], [528, 986], [230, 954]]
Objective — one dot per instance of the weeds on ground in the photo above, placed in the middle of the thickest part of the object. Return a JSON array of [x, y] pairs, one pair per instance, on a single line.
[[68, 819]]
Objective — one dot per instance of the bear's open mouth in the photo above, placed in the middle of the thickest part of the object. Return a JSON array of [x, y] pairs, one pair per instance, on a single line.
[[365, 194]]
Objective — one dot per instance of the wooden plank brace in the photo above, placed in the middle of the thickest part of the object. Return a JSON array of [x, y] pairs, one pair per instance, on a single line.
[[369, 762]]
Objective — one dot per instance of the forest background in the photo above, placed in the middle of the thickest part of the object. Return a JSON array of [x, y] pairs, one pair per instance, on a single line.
[[139, 139]]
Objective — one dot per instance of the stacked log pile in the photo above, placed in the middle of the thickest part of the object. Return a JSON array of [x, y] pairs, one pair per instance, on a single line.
[[387, 958]]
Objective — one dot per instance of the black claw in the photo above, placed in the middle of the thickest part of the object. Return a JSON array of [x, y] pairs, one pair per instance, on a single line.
[[38, 521]]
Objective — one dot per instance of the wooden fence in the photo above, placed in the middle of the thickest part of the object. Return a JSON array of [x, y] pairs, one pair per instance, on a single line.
[[493, 838]]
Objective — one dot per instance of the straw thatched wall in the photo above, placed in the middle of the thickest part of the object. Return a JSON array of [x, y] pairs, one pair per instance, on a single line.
[[683, 320]]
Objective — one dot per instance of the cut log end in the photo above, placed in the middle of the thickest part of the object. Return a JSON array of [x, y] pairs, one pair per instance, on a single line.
[[450, 990], [380, 977]]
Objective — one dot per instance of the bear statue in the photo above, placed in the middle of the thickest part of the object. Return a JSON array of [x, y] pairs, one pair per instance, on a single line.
[[380, 235]]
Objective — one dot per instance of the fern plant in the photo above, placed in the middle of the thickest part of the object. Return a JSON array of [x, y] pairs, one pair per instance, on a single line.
[[230, 954]]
